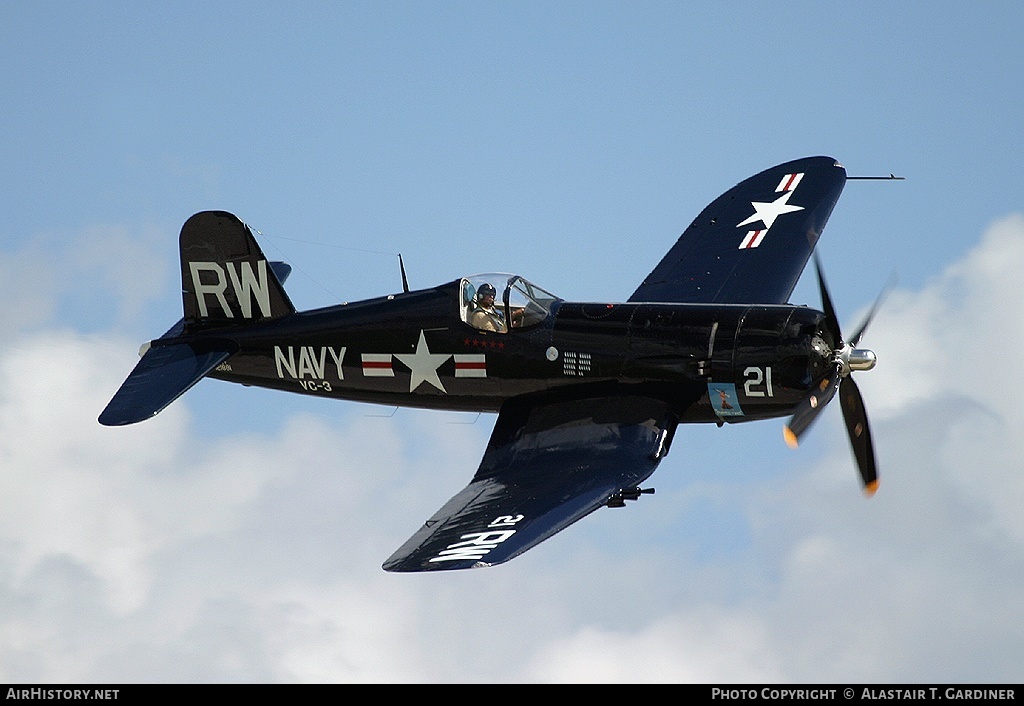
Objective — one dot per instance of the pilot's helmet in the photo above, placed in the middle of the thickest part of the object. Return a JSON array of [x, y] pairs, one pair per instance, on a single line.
[[486, 290]]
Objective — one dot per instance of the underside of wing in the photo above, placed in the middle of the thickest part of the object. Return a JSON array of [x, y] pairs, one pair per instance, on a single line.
[[548, 464], [751, 244]]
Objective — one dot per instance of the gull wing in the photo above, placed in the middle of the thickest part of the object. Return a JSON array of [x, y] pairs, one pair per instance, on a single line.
[[750, 245], [548, 464]]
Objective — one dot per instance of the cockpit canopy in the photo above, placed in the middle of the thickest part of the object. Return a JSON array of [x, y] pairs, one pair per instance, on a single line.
[[517, 303]]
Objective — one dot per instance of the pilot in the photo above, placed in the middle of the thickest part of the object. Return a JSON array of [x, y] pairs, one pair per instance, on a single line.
[[485, 317]]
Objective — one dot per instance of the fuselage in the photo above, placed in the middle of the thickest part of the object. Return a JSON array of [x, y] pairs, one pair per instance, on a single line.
[[713, 363]]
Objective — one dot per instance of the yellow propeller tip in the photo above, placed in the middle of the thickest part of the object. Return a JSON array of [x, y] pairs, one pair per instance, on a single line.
[[870, 488], [790, 437]]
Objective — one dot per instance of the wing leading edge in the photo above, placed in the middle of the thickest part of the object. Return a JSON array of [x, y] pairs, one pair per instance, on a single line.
[[547, 465], [750, 245]]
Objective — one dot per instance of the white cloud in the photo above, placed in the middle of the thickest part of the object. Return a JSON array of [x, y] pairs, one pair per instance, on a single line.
[[260, 554], [99, 277], [127, 265], [956, 335], [704, 645], [949, 356]]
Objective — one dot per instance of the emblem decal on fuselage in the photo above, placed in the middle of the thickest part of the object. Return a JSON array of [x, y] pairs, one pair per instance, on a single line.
[[377, 365], [724, 400], [470, 365], [423, 365]]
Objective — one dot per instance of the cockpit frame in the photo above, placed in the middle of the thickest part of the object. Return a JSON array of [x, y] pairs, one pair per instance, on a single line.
[[519, 303]]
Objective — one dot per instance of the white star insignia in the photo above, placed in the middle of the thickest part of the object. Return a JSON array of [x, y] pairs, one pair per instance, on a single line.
[[768, 212], [424, 365]]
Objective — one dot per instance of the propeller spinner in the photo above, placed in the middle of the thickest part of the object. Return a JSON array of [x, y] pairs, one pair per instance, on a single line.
[[846, 357]]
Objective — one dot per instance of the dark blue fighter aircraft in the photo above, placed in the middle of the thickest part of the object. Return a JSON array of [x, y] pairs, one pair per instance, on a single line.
[[588, 394]]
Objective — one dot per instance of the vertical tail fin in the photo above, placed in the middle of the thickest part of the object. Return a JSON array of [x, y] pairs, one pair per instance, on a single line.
[[225, 278], [225, 281]]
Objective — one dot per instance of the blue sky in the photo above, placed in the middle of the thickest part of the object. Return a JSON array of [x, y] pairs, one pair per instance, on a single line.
[[238, 536]]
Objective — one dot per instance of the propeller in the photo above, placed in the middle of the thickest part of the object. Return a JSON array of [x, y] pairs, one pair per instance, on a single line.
[[846, 358]]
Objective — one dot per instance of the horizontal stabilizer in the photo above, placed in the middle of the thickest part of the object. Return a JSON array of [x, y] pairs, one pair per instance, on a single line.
[[162, 376], [281, 270]]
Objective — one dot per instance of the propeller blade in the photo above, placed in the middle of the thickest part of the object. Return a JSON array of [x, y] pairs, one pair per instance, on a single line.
[[856, 419], [810, 407], [831, 320], [847, 359], [855, 341]]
